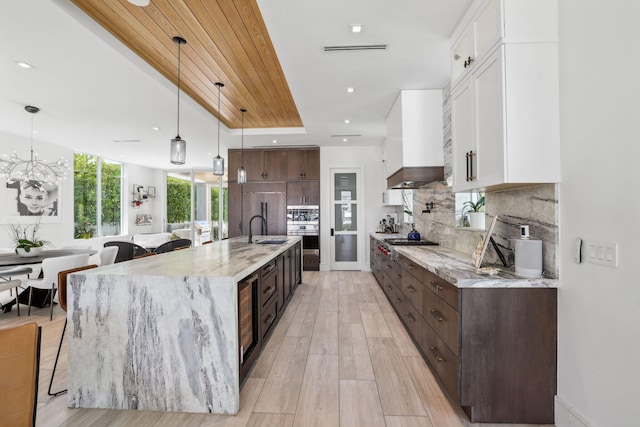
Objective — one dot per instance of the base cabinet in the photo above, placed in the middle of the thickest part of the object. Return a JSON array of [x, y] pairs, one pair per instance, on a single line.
[[262, 297], [492, 349]]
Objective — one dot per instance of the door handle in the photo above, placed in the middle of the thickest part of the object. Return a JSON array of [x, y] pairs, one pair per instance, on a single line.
[[332, 233]]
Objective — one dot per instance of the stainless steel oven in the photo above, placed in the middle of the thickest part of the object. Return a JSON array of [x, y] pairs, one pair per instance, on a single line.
[[305, 221]]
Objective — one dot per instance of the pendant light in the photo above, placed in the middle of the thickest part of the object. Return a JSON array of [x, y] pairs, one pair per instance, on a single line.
[[218, 162], [16, 169], [242, 172], [178, 145]]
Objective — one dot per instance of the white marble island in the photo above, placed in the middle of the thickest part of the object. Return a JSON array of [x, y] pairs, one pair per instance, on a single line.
[[161, 333]]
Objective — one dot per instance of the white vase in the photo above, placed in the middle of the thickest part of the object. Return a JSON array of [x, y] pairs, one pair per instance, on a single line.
[[476, 220], [32, 252]]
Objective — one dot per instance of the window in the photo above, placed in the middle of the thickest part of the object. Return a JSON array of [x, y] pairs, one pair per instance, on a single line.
[[463, 200], [215, 212], [97, 196]]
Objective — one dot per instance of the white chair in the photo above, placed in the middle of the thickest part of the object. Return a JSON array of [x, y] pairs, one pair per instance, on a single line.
[[50, 269], [108, 255], [11, 284]]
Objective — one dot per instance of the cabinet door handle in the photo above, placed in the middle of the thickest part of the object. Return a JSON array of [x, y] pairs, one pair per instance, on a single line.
[[436, 354], [398, 276], [388, 266], [411, 289], [435, 313], [398, 300], [269, 320], [301, 175], [468, 62], [410, 317], [435, 285], [269, 290], [388, 288], [467, 156], [471, 176]]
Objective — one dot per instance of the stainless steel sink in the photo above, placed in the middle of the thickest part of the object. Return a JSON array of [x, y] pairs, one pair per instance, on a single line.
[[272, 242]]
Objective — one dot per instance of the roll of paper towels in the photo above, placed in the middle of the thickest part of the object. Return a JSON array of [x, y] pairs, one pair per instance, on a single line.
[[528, 257]]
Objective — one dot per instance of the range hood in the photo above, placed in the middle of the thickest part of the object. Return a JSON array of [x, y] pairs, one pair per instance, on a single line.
[[413, 149], [414, 177]]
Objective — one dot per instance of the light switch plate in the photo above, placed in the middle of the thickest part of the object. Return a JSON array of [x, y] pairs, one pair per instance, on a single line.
[[602, 253]]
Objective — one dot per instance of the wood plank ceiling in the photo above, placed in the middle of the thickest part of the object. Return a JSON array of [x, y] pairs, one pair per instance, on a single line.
[[227, 41]]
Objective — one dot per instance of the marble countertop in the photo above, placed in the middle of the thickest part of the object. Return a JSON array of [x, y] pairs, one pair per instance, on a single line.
[[457, 268], [229, 258]]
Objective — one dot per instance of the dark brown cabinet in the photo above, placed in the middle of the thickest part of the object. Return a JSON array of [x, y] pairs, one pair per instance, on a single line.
[[303, 193], [493, 349], [261, 165], [303, 164]]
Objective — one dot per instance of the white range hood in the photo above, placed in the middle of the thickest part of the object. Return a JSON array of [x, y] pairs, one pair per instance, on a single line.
[[414, 145]]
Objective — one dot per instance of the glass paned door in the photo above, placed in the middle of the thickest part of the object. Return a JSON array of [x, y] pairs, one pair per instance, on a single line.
[[344, 239]]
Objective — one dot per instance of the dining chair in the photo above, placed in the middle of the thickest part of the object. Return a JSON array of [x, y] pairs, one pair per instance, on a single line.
[[144, 255], [172, 245], [62, 297], [108, 255], [126, 250], [20, 367], [7, 281], [50, 269]]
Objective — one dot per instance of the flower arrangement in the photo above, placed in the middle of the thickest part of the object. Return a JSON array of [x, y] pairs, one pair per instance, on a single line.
[[25, 237]]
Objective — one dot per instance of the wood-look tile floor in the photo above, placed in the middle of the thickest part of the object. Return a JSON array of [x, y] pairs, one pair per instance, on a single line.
[[339, 356]]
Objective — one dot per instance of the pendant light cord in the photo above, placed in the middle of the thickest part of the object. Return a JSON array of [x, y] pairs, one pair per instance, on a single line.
[[242, 139], [220, 85], [179, 49]]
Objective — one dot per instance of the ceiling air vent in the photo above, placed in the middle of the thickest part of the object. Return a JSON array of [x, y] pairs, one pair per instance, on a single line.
[[352, 47]]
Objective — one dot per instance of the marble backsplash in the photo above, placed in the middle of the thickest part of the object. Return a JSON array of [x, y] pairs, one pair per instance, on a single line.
[[535, 206]]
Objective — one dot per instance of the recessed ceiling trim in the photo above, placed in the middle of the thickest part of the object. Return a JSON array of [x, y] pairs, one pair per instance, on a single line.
[[355, 47]]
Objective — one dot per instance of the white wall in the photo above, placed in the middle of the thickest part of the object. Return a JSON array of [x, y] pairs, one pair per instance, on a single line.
[[599, 307], [370, 161], [61, 233]]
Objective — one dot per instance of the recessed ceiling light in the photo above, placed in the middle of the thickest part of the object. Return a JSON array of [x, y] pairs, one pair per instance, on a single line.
[[36, 131], [344, 139], [356, 28], [24, 64], [274, 141], [156, 128], [209, 154], [347, 121], [350, 90]]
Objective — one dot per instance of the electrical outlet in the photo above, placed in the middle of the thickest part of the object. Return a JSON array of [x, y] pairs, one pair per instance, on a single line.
[[602, 253]]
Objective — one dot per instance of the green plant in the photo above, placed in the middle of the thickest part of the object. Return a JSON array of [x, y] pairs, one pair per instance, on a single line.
[[84, 229], [26, 236], [471, 206], [407, 205]]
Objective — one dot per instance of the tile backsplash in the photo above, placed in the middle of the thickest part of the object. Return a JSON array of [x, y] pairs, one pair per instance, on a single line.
[[535, 206]]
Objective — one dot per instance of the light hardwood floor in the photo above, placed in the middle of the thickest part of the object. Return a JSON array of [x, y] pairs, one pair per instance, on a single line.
[[338, 357]]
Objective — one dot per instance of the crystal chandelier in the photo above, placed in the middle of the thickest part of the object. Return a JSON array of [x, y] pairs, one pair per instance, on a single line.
[[16, 169]]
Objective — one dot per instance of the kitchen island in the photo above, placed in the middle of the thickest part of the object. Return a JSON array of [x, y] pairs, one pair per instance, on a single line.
[[164, 332]]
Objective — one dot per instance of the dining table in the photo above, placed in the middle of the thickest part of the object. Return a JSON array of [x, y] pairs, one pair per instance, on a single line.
[[12, 259]]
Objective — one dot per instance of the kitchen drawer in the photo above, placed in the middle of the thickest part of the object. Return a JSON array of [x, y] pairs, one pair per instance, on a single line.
[[411, 318], [268, 317], [387, 286], [268, 283], [393, 271], [413, 289], [442, 318], [442, 288], [411, 267], [443, 362]]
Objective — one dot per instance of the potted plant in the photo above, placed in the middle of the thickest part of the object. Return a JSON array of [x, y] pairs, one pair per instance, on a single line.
[[475, 211], [26, 240]]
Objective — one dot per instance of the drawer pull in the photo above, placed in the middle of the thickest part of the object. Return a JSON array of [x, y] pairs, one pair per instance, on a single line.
[[435, 285], [388, 288], [398, 300], [410, 317], [269, 290], [410, 266], [389, 267], [436, 354], [268, 268], [398, 276], [436, 314], [269, 320], [411, 289]]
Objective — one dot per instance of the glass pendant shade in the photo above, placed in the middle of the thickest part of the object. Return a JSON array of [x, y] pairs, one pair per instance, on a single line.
[[178, 151], [218, 162], [242, 175], [218, 165]]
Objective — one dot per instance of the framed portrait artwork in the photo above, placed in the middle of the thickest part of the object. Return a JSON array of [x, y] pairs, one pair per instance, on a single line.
[[30, 199]]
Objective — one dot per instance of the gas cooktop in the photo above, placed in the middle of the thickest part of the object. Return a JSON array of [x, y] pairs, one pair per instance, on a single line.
[[407, 242]]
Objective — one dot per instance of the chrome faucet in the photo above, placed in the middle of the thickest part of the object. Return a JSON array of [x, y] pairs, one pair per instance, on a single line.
[[265, 226]]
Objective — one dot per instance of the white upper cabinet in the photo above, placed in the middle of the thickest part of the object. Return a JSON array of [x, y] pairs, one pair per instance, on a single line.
[[505, 108], [414, 131]]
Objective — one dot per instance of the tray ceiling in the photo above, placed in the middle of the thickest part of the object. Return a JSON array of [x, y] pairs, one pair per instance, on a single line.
[[227, 41]]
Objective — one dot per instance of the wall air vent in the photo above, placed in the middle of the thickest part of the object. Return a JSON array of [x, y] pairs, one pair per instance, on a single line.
[[352, 47]]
